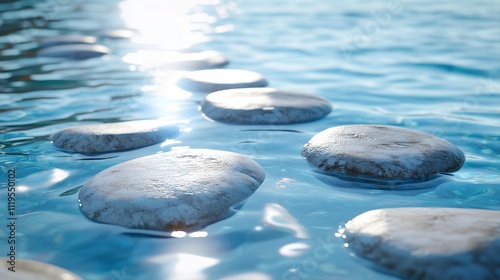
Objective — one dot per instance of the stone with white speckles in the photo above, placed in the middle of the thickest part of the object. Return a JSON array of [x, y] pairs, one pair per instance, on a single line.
[[69, 39], [29, 270], [220, 79], [429, 243], [382, 153], [179, 190], [112, 137], [75, 51], [264, 106]]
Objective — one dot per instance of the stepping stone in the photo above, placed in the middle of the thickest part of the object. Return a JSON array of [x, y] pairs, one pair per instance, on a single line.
[[75, 51], [116, 34], [264, 106], [220, 79], [180, 190], [381, 153], [113, 137], [29, 270], [428, 243], [66, 40], [170, 60]]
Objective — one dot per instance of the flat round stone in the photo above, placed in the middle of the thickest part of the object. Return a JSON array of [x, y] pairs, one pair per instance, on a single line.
[[66, 40], [220, 79], [171, 60], [116, 34], [28, 270], [112, 137], [264, 106], [179, 190], [429, 243], [382, 153], [75, 51]]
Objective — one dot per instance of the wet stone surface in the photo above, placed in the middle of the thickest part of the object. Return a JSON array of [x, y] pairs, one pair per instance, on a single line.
[[428, 243], [264, 106], [382, 153], [220, 79], [113, 137], [179, 190]]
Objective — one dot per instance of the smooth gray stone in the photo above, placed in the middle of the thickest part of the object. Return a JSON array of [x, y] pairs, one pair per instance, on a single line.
[[220, 79], [180, 190], [75, 51], [428, 243], [29, 270], [264, 106], [70, 39], [116, 34], [113, 137], [382, 152]]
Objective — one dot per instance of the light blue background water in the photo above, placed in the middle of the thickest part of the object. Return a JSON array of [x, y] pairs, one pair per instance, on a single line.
[[424, 65]]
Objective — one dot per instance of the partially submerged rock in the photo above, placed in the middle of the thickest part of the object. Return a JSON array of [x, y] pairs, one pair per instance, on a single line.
[[180, 190], [428, 243]]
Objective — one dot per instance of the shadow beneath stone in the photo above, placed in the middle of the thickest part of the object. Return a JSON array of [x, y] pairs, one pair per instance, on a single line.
[[410, 187]]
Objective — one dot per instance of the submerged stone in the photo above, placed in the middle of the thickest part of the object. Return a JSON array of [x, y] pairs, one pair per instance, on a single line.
[[22, 269], [220, 79], [70, 39], [112, 137], [382, 153], [264, 106], [180, 190], [75, 51], [429, 243]]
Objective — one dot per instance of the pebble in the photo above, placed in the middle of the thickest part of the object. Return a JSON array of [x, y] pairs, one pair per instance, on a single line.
[[220, 79], [116, 34], [264, 106], [382, 153], [170, 60], [29, 270], [112, 137], [428, 243], [182, 190], [66, 40], [75, 51]]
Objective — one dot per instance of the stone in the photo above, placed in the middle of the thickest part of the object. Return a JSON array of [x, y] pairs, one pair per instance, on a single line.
[[75, 51], [113, 137], [29, 270], [116, 34], [264, 106], [171, 60], [381, 153], [70, 39], [181, 190], [428, 243], [220, 79]]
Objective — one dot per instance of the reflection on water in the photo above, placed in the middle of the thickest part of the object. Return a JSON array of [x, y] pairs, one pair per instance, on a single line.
[[431, 68]]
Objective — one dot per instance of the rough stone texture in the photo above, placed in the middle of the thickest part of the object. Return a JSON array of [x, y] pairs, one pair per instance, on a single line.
[[382, 152], [220, 79], [66, 40], [112, 137], [429, 243], [264, 106], [29, 270], [75, 51], [180, 190]]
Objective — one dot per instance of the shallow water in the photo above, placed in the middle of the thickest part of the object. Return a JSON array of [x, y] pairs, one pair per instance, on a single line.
[[424, 65]]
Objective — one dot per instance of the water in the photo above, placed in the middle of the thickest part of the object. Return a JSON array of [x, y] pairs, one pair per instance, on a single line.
[[424, 65]]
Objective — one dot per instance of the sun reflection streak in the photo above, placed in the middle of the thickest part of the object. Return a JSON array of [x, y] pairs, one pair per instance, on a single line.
[[167, 24]]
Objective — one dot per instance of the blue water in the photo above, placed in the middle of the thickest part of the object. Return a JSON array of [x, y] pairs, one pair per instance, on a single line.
[[425, 65]]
